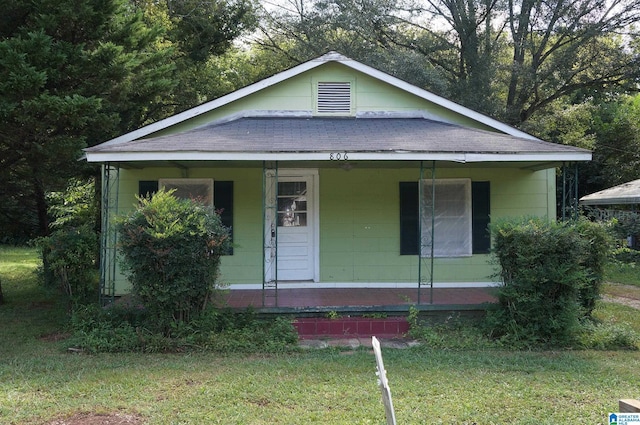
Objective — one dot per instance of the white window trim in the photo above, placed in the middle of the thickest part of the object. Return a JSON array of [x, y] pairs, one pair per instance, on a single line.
[[464, 223]]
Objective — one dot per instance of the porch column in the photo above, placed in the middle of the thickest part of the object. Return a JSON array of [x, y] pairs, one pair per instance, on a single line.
[[270, 231], [569, 192], [108, 234], [426, 204]]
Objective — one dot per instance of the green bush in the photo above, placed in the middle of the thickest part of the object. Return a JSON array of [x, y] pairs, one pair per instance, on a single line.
[[128, 329], [454, 333], [626, 255], [551, 275], [96, 330], [596, 245], [75, 206], [171, 251], [69, 257], [267, 336]]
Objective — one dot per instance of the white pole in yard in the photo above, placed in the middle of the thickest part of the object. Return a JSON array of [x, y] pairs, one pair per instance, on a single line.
[[383, 383]]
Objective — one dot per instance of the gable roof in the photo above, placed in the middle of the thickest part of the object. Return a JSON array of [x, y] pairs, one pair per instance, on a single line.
[[306, 66], [298, 135], [626, 193]]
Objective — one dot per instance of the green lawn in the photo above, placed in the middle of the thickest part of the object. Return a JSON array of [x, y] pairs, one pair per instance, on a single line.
[[627, 274], [40, 382]]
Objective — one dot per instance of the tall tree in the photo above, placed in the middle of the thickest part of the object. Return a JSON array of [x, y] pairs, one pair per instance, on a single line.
[[507, 58], [298, 30], [608, 127], [562, 47], [72, 73], [616, 155]]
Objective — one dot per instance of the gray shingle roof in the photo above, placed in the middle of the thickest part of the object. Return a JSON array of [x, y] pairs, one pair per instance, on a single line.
[[626, 193], [287, 134]]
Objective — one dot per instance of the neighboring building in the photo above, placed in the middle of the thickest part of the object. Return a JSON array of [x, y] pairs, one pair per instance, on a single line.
[[621, 202], [326, 173]]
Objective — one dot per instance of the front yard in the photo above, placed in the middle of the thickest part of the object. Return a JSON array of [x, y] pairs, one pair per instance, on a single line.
[[42, 383]]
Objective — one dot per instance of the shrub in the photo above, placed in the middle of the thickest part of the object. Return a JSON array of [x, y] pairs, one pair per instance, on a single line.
[[69, 257], [626, 255], [551, 275], [127, 329], [596, 243], [273, 335], [454, 333], [171, 251], [75, 206]]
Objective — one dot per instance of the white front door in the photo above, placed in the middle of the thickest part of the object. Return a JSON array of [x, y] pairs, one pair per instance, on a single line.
[[296, 216], [291, 219]]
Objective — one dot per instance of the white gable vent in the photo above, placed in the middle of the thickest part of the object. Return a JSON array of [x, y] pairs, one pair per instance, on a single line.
[[334, 98]]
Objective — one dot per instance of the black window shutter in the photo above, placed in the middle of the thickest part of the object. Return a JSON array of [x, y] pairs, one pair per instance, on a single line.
[[409, 218], [223, 203], [147, 187], [480, 211]]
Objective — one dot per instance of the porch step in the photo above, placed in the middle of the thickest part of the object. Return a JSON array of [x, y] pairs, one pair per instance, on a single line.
[[315, 327]]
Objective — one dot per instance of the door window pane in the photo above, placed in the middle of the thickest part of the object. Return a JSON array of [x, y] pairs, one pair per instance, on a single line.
[[292, 204]]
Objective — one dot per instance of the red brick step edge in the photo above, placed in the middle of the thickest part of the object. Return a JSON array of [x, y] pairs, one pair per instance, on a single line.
[[318, 327]]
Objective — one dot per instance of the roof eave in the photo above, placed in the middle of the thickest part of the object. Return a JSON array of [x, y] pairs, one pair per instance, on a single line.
[[462, 157], [611, 201]]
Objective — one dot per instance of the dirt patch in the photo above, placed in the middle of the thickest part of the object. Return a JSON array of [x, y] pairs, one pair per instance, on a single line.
[[99, 419], [41, 305], [628, 295], [55, 336], [629, 302]]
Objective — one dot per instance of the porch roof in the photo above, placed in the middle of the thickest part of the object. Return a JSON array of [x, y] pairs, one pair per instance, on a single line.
[[308, 138]]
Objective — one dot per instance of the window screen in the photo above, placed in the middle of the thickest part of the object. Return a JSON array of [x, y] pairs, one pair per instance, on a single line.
[[449, 218], [200, 190]]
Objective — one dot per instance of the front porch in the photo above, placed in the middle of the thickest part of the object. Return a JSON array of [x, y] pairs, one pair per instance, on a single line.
[[314, 301]]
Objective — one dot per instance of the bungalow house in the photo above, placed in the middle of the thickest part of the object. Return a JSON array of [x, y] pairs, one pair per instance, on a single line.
[[333, 174]]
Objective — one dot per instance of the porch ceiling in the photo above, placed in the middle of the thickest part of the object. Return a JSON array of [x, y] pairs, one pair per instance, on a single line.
[[322, 139]]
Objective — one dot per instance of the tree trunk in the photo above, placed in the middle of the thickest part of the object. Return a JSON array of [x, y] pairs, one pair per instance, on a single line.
[[41, 207]]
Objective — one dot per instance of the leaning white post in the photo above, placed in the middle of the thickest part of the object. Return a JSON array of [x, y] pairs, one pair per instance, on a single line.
[[383, 383]]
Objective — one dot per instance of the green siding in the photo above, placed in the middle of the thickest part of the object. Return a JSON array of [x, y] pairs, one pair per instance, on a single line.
[[298, 94], [359, 220]]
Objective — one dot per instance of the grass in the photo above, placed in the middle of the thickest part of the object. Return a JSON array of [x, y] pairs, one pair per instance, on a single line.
[[625, 274], [40, 381]]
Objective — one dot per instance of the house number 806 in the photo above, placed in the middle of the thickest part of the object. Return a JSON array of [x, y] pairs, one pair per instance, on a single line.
[[338, 156]]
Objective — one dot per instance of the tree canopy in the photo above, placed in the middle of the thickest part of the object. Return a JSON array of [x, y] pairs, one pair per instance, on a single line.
[[509, 59], [76, 73]]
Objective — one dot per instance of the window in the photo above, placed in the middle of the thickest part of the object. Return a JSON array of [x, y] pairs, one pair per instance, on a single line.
[[451, 221], [292, 204], [222, 196], [200, 190], [460, 223]]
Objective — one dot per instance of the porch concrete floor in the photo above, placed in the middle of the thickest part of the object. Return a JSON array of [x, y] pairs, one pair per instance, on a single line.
[[359, 299]]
